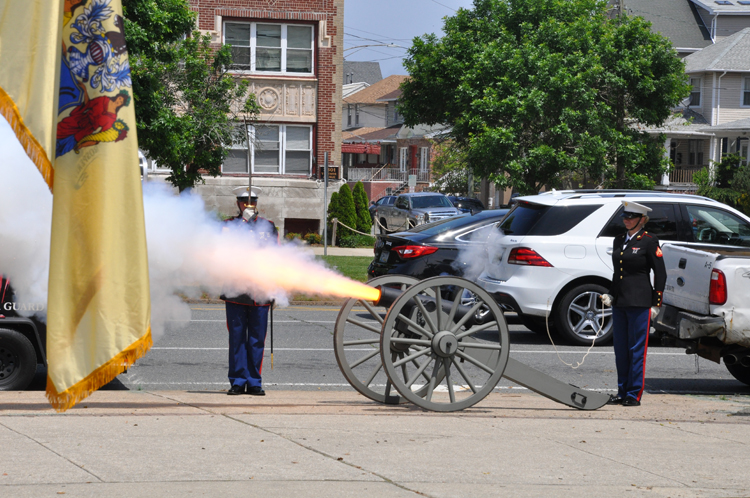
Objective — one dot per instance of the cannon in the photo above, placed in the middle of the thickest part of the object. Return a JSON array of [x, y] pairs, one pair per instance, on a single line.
[[441, 343]]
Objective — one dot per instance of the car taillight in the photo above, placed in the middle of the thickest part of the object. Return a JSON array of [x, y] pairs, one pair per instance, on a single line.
[[717, 292], [407, 252], [526, 256]]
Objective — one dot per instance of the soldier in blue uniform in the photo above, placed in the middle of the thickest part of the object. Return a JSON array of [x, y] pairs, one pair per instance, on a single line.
[[247, 318], [635, 254]]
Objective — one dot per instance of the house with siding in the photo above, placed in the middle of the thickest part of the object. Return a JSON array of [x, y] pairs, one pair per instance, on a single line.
[[290, 52]]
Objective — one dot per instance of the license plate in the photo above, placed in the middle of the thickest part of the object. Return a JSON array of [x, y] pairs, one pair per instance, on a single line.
[[384, 257]]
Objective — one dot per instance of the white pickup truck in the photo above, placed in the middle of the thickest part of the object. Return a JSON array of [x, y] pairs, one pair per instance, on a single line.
[[706, 304]]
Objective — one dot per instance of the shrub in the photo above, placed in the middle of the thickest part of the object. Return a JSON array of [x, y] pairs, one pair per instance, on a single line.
[[347, 210], [313, 238], [362, 203], [356, 240], [292, 236]]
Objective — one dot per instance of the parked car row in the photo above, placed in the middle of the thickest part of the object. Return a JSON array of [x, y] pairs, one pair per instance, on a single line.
[[394, 213], [550, 257]]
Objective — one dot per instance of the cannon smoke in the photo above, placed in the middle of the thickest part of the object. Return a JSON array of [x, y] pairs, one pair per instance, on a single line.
[[191, 252]]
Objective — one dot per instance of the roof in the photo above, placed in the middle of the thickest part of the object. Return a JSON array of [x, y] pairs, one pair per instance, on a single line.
[[426, 131], [372, 134], [351, 88], [388, 97], [369, 72], [713, 7], [375, 91], [729, 54], [686, 121], [678, 20], [738, 125]]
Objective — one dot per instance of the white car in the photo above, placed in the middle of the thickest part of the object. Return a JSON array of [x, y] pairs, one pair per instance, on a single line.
[[551, 257]]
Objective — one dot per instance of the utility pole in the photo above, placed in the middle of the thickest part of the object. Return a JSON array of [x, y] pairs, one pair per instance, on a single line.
[[325, 204]]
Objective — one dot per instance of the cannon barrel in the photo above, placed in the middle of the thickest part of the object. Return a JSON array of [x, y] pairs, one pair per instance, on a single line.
[[388, 296]]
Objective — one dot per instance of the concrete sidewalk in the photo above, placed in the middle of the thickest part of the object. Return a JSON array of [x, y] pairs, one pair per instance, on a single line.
[[344, 251], [335, 444]]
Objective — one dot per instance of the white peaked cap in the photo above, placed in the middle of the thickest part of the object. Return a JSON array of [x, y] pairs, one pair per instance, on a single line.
[[634, 207], [247, 192]]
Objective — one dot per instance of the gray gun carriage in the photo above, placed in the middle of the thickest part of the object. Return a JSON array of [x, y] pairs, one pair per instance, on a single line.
[[440, 343]]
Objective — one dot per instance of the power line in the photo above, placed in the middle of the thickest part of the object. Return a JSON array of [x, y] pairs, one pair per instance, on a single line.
[[449, 8], [376, 34]]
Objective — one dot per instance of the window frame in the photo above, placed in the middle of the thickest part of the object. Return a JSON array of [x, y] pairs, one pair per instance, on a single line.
[[424, 159], [693, 93], [283, 149], [403, 158], [745, 92], [283, 47]]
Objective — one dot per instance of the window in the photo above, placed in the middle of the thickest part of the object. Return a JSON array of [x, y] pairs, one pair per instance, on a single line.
[[403, 158], [273, 48], [695, 93], [662, 222], [396, 116], [356, 114], [695, 152], [281, 149], [424, 158], [348, 114], [716, 226], [746, 92]]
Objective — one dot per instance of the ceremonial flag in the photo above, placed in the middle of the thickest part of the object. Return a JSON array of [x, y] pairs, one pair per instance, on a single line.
[[98, 308]]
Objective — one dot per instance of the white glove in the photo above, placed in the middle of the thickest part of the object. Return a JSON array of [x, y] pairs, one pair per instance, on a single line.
[[606, 299], [654, 312], [247, 214]]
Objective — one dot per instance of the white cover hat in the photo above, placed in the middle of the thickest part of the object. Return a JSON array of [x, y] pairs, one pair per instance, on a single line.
[[244, 192], [634, 207]]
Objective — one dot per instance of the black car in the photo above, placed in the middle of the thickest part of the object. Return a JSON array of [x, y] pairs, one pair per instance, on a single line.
[[466, 204], [433, 249], [383, 201]]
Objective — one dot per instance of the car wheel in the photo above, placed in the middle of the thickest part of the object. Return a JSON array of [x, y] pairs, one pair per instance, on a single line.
[[536, 324], [581, 318], [739, 372], [383, 226], [17, 361]]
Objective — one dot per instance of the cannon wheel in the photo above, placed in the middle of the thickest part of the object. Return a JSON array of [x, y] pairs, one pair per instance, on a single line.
[[466, 361], [347, 347]]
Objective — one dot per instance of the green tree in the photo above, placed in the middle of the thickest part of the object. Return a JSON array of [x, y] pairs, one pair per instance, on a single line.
[[451, 169], [187, 105], [728, 182], [347, 211], [362, 205], [535, 88]]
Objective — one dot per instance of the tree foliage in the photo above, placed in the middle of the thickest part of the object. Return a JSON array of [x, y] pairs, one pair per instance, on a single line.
[[347, 211], [186, 103], [728, 182], [451, 169], [534, 88], [362, 205]]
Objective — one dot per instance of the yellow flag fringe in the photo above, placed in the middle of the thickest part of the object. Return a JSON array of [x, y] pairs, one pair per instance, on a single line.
[[30, 144], [99, 377]]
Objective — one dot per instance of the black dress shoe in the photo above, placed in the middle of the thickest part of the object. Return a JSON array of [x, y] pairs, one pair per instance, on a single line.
[[614, 400], [255, 391], [235, 390], [629, 401]]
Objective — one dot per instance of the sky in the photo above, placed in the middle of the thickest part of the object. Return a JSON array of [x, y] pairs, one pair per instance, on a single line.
[[397, 22]]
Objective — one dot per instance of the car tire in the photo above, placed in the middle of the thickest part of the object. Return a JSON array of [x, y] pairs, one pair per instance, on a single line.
[[578, 315], [17, 361], [536, 324], [739, 372]]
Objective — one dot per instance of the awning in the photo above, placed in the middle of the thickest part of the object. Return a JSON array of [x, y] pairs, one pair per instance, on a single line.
[[360, 149]]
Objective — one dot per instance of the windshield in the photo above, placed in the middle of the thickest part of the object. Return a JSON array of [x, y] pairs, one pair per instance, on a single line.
[[427, 201]]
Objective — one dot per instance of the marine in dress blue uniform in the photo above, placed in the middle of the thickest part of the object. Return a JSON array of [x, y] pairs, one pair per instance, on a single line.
[[247, 319], [635, 254]]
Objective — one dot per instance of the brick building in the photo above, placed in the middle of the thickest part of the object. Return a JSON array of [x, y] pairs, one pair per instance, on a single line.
[[291, 53]]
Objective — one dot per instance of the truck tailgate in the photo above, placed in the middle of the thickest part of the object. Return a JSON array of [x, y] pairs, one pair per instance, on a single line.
[[688, 278]]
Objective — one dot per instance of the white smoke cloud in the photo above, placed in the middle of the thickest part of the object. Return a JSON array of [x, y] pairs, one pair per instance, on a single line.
[[25, 221], [190, 250]]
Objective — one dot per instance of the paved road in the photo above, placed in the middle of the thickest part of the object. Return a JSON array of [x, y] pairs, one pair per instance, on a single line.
[[193, 356]]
